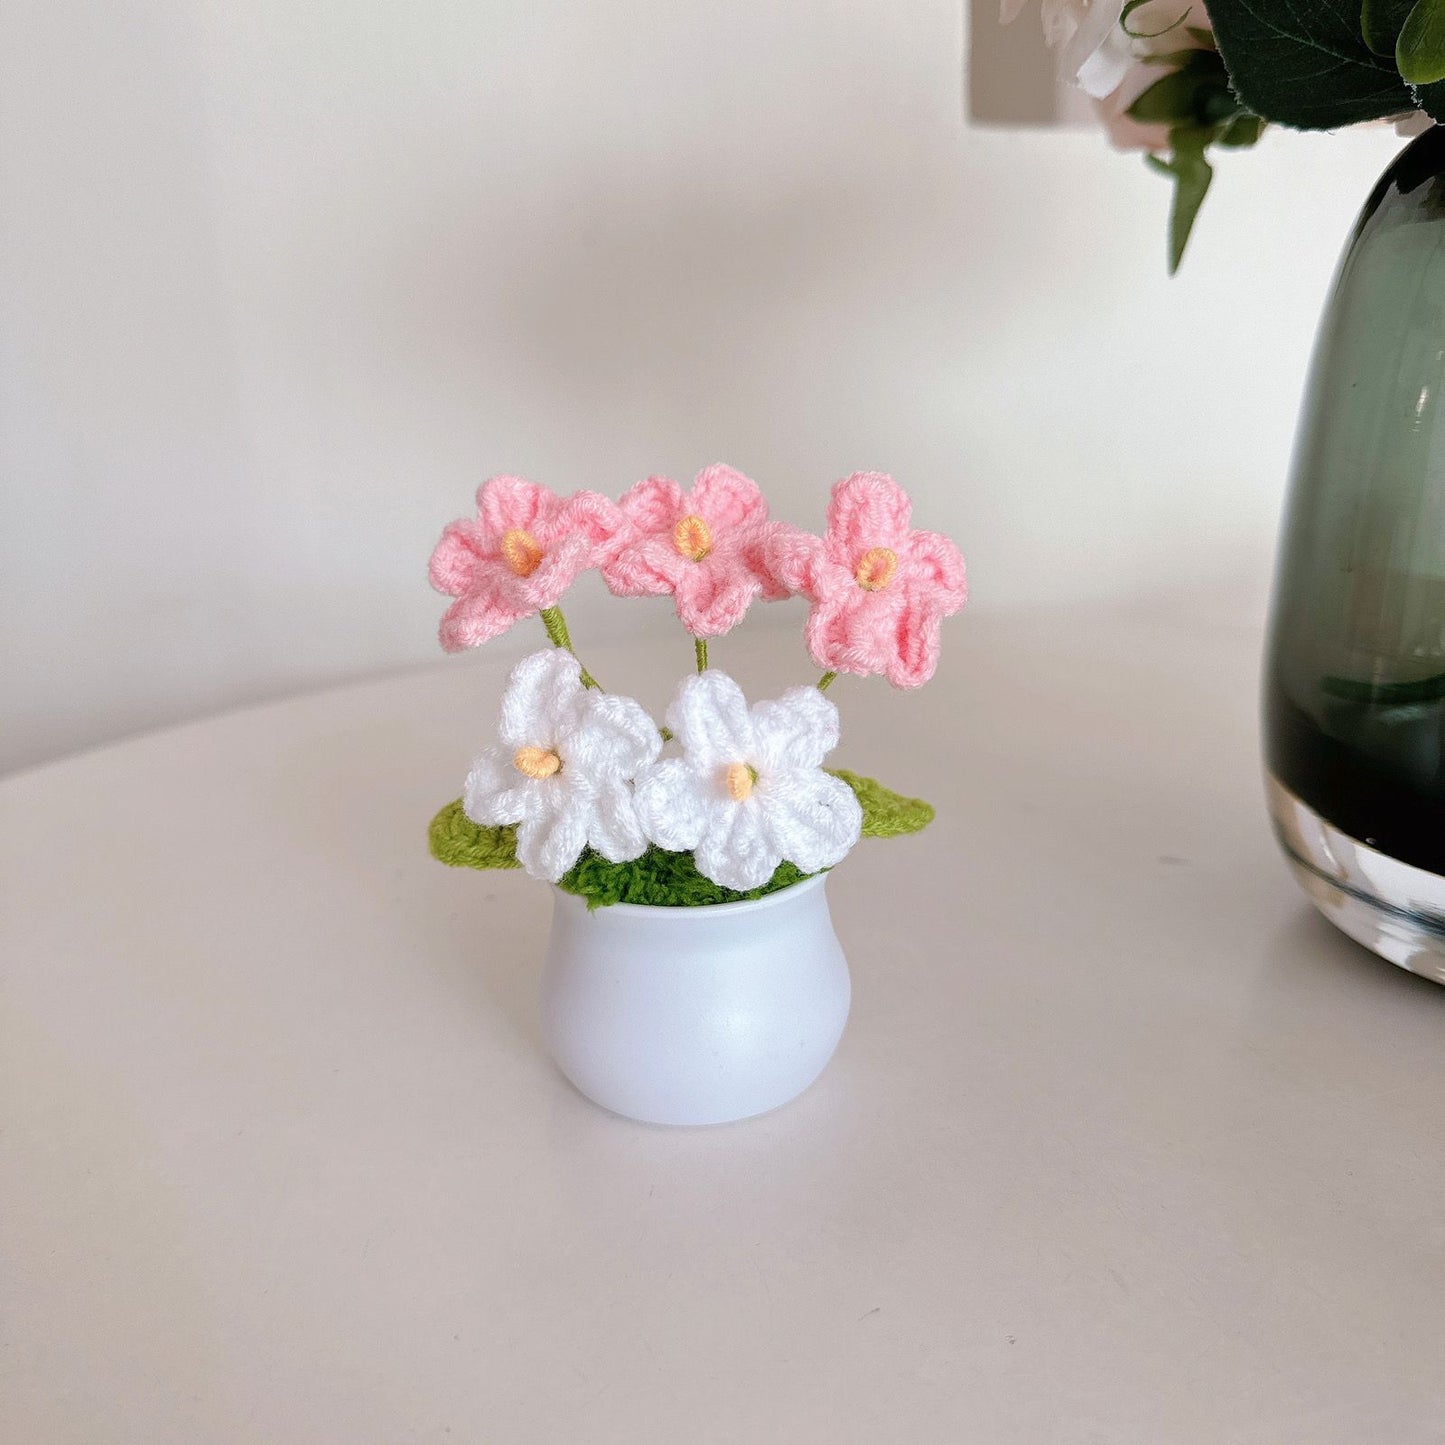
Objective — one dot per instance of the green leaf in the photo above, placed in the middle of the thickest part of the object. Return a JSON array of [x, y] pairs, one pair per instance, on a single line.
[[1420, 50], [886, 814], [1196, 93], [1243, 130], [1305, 63], [1130, 8], [1191, 173], [1380, 24], [460, 843]]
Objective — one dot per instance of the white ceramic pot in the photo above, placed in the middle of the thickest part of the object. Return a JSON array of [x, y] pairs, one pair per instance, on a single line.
[[695, 1015]]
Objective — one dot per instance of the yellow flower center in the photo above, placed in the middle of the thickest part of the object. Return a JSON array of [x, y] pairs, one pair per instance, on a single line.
[[739, 780], [521, 551], [692, 537], [876, 568], [536, 762]]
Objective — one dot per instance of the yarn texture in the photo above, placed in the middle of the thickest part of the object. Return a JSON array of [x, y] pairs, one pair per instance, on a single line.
[[880, 590], [460, 843], [749, 791], [523, 551], [660, 878], [563, 773], [702, 546], [886, 814]]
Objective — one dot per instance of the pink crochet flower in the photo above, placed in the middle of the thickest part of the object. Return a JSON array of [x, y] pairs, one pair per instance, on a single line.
[[521, 554], [701, 546], [879, 589]]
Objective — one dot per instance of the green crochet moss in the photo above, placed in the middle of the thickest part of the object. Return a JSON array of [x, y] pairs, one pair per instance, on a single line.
[[886, 814], [660, 878], [663, 879]]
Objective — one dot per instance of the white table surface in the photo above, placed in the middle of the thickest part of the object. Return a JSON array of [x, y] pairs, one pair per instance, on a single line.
[[1123, 1143]]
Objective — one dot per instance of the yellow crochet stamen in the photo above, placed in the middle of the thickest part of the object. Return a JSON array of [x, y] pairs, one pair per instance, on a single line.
[[739, 780], [535, 762], [521, 551], [692, 537], [876, 568]]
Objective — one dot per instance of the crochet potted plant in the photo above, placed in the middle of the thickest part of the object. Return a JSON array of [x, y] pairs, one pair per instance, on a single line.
[[693, 975]]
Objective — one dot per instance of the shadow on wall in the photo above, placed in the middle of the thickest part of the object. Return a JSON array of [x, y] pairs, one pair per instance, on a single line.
[[670, 317], [1010, 70]]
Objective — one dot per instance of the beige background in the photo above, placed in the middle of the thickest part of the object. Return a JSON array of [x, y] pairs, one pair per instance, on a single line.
[[279, 283]]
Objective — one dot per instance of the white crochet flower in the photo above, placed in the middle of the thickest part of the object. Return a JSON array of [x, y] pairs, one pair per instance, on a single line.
[[749, 790], [564, 771]]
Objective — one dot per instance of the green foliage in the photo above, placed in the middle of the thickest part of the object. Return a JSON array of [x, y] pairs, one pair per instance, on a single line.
[[1194, 100], [1134, 34], [1195, 92], [1420, 48], [1306, 63], [659, 877], [886, 814], [1191, 173], [1381, 22], [460, 843]]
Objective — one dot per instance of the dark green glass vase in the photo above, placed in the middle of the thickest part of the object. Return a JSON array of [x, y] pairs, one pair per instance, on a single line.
[[1355, 677]]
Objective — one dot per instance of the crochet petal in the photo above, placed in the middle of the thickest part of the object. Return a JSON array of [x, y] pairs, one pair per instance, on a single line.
[[736, 851], [610, 738], [868, 509], [800, 561], [494, 791], [932, 561], [542, 693], [797, 730], [648, 565], [709, 717], [559, 568], [812, 818], [727, 499], [616, 830], [550, 841], [507, 502], [852, 630], [713, 595], [671, 805], [477, 617], [914, 655], [591, 517], [454, 559], [777, 555], [653, 504]]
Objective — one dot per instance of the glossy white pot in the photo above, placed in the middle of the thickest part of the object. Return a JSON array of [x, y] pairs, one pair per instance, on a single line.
[[695, 1015]]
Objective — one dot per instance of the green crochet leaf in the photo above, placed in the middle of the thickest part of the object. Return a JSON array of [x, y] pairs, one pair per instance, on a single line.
[[660, 878], [460, 843], [886, 814]]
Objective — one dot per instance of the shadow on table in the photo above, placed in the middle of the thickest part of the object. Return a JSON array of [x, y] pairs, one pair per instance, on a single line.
[[1310, 952]]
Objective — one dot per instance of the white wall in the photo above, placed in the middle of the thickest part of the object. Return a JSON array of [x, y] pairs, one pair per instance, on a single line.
[[280, 282]]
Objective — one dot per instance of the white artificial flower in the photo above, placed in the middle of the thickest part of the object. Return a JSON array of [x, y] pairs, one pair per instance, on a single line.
[[1096, 53], [563, 773], [749, 789]]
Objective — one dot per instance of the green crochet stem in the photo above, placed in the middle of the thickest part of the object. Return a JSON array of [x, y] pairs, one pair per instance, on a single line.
[[699, 645], [659, 877], [826, 681], [556, 626]]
